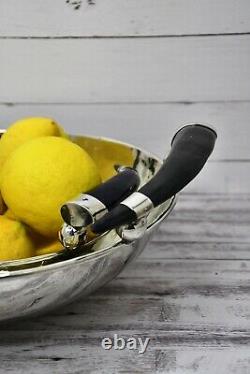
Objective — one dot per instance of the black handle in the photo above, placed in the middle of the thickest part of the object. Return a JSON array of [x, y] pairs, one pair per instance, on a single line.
[[81, 211], [191, 147], [117, 188]]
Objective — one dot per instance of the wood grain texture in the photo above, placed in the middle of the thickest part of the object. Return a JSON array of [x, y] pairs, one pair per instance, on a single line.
[[204, 227], [195, 310], [57, 18], [114, 70], [150, 126], [84, 359]]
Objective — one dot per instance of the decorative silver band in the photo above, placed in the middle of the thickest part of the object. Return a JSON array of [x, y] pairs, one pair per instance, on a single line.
[[139, 203], [92, 205], [84, 209]]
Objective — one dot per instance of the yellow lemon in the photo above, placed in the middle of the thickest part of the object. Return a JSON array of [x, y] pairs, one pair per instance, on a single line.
[[26, 129], [44, 245], [41, 175], [2, 205], [47, 247], [8, 213], [15, 242]]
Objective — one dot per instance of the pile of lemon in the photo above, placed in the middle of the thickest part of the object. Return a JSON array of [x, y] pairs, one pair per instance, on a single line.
[[40, 169]]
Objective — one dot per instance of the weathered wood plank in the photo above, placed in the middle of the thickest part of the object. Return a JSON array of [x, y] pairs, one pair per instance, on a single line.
[[81, 358], [176, 317], [205, 313], [175, 249], [215, 271], [178, 296], [177, 338], [222, 177], [204, 227], [150, 126], [44, 18], [114, 70], [209, 219]]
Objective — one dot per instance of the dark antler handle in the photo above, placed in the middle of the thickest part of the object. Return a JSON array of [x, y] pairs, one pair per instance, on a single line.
[[88, 207], [191, 147]]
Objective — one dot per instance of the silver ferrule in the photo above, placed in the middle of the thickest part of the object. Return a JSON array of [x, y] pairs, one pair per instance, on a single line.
[[139, 203], [83, 210]]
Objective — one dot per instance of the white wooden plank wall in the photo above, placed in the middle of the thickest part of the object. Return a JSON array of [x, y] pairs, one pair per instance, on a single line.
[[105, 18], [134, 71]]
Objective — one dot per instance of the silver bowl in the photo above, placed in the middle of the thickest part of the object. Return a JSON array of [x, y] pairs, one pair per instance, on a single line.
[[38, 284]]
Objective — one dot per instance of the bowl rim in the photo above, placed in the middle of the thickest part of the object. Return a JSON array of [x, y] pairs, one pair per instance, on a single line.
[[87, 256]]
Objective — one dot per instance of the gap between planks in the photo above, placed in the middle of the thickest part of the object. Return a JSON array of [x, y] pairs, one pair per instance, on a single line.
[[74, 37]]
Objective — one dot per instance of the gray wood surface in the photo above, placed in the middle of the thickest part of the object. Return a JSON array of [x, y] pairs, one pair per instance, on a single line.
[[189, 292], [148, 125], [59, 18], [125, 70]]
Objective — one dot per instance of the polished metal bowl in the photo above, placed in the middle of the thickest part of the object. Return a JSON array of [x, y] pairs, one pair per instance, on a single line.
[[38, 284]]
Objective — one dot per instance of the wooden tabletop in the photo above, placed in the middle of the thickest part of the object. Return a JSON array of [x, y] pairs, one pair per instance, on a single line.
[[189, 293]]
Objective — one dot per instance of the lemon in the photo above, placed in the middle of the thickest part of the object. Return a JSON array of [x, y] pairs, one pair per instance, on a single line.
[[2, 205], [8, 213], [15, 242], [44, 245], [48, 247], [26, 129], [41, 175]]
